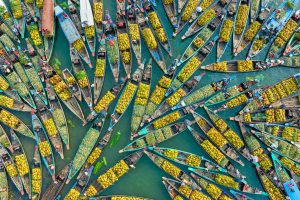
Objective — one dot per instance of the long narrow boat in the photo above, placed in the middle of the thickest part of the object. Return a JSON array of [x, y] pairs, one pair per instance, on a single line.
[[141, 98], [21, 161], [39, 10], [230, 92], [180, 5], [7, 57], [4, 28], [240, 196], [7, 17], [151, 41], [124, 44], [171, 11], [85, 148], [225, 181], [30, 7], [19, 69], [126, 96], [212, 12], [156, 25], [187, 159], [98, 17], [72, 83], [227, 28], [43, 143], [36, 175], [256, 7], [4, 183], [102, 182], [11, 169], [156, 137], [48, 27], [100, 68], [87, 23], [62, 92], [13, 104], [17, 12], [112, 197], [290, 61], [4, 140], [81, 77], [56, 186], [293, 47], [289, 164], [112, 46], [8, 90], [134, 31], [72, 33], [58, 115], [15, 123], [75, 16], [172, 191], [201, 39], [272, 27], [289, 102]]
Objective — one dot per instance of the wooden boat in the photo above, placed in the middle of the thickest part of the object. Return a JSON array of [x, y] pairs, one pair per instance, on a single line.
[[18, 15], [272, 27], [121, 7], [171, 11], [289, 164], [81, 77], [112, 46], [126, 163], [127, 96], [240, 196], [156, 137], [4, 28], [4, 183], [100, 69], [36, 175], [71, 33], [124, 44], [43, 143], [85, 148], [255, 10], [230, 92], [10, 167], [245, 10], [172, 191], [7, 18], [11, 49], [180, 5], [227, 28], [157, 27], [217, 178], [30, 8], [80, 185], [39, 11], [290, 61], [72, 83], [36, 61], [98, 17], [19, 69], [58, 116], [21, 161], [56, 186], [293, 47], [8, 58], [118, 196], [48, 27], [134, 32], [289, 102], [201, 39], [141, 98], [15, 123], [75, 16], [13, 104], [182, 157], [152, 45], [8, 90], [4, 140], [216, 8]]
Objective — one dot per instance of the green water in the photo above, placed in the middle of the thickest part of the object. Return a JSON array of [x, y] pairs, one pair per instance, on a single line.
[[145, 180]]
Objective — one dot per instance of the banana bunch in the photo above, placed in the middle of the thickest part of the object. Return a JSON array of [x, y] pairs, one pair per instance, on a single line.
[[78, 44], [234, 139], [176, 97], [214, 153], [3, 84], [94, 155], [291, 133], [83, 82], [226, 30], [272, 95], [171, 154], [70, 80], [149, 38], [104, 181], [288, 30], [185, 190], [189, 9], [134, 32], [9, 119], [217, 137], [167, 2], [226, 181], [39, 3], [199, 94], [290, 85], [6, 101], [273, 191], [60, 86], [104, 102], [22, 164], [11, 170], [89, 31], [290, 165], [205, 4], [50, 127], [280, 90], [126, 57], [165, 120], [270, 115], [247, 117], [279, 42], [126, 97], [29, 1], [280, 115], [36, 173], [252, 31], [258, 44], [36, 186], [16, 8], [198, 42], [265, 162], [91, 191], [244, 65], [193, 160], [198, 195], [214, 191], [221, 125], [165, 82], [170, 169], [189, 69], [206, 17], [35, 35], [241, 19], [98, 12], [239, 100], [143, 91], [154, 20], [100, 68], [5, 15], [220, 66], [55, 79], [274, 130], [65, 95], [123, 40], [140, 101], [120, 168], [150, 139], [34, 79], [73, 194]]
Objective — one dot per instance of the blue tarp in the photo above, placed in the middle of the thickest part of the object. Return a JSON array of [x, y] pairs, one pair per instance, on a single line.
[[292, 190]]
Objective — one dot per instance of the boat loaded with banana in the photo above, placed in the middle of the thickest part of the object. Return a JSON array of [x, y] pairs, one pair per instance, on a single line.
[[124, 44], [156, 137], [150, 40], [54, 189], [100, 68], [172, 191], [191, 66], [212, 12], [21, 161], [4, 183], [240, 196], [293, 47], [180, 5], [155, 23], [215, 154], [225, 181], [48, 27], [86, 147], [36, 175], [227, 28], [72, 83], [112, 46], [127, 96], [187, 159], [187, 191], [11, 169], [7, 90], [113, 174], [283, 37], [230, 92], [30, 7], [141, 98], [290, 61], [81, 77], [7, 17], [201, 39], [60, 87], [10, 103], [280, 90], [134, 31], [272, 27], [159, 92], [121, 7], [170, 9], [288, 102], [98, 17], [4, 140], [19, 18], [43, 143], [75, 16], [8, 57], [256, 7], [72, 33], [7, 31], [114, 197], [58, 115], [39, 11]]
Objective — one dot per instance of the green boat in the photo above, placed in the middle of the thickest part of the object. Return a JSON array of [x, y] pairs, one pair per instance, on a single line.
[[18, 14], [6, 38], [36, 175], [7, 57], [7, 17], [289, 164], [8, 90], [4, 140], [21, 161], [3, 182], [172, 191]]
